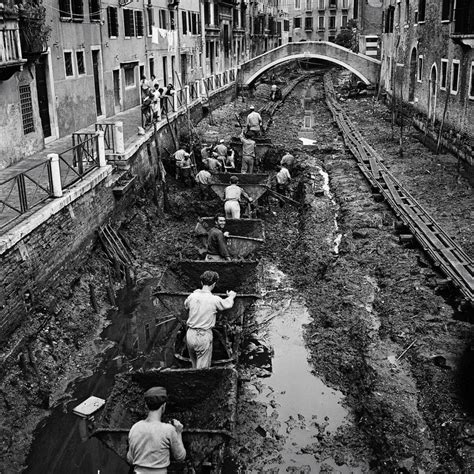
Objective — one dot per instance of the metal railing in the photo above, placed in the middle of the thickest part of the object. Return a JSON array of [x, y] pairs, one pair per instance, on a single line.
[[109, 135], [24, 191], [193, 91], [79, 160]]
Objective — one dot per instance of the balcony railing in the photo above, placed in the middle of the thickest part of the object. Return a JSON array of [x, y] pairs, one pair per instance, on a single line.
[[10, 50]]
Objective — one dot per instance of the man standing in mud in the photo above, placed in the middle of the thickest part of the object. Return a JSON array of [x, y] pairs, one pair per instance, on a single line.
[[254, 123], [151, 441], [203, 306], [233, 194], [217, 250], [248, 153]]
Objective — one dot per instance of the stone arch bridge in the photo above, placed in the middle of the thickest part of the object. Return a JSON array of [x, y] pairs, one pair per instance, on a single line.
[[367, 69]]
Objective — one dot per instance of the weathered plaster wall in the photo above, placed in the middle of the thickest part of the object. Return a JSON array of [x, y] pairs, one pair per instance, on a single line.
[[14, 144]]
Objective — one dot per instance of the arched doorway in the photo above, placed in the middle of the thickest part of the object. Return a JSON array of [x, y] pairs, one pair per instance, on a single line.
[[412, 72], [433, 93]]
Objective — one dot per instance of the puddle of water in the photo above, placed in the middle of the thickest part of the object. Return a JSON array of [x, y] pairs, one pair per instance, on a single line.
[[300, 404], [61, 444]]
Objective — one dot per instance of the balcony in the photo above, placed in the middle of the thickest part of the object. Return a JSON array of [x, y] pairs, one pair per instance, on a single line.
[[11, 59]]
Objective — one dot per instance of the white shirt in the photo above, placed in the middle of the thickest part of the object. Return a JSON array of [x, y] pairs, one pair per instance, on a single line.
[[283, 176], [203, 177], [203, 307]]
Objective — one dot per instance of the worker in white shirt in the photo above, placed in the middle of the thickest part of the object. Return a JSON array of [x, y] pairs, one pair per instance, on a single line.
[[204, 180], [283, 179], [254, 123], [203, 307], [232, 196]]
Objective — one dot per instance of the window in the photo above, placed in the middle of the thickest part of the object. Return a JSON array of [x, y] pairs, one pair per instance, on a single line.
[[297, 23], [195, 24], [455, 77], [71, 10], [389, 20], [172, 21], [26, 109], [184, 22], [309, 5], [94, 10], [150, 20], [345, 4], [112, 22], [464, 17], [286, 25], [321, 22], [332, 3], [151, 63], [139, 27], [471, 82], [421, 10], [81, 67], [355, 14], [444, 74], [344, 21], [129, 76], [332, 22], [68, 64], [321, 4], [446, 10], [128, 22], [297, 4], [308, 23], [419, 71], [162, 20], [407, 11]]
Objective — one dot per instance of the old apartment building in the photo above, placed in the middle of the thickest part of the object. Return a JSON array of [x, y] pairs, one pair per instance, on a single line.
[[324, 20], [428, 59], [89, 56]]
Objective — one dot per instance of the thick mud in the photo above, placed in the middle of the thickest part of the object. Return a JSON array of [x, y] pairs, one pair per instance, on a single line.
[[353, 362]]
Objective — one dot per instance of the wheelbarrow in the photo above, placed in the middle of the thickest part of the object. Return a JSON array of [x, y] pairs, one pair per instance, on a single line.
[[245, 235], [203, 400], [255, 185]]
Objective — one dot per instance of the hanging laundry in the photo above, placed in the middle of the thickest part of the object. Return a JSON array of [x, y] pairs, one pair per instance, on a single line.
[[154, 34], [163, 33]]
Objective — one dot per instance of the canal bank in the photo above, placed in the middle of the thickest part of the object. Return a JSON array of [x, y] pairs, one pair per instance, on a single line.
[[365, 305]]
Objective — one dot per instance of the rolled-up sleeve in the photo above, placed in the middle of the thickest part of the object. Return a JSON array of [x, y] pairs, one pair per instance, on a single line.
[[178, 450], [222, 304]]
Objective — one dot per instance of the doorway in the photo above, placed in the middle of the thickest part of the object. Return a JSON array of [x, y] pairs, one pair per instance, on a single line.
[[117, 92], [165, 71], [433, 94], [211, 56], [42, 90], [184, 68], [412, 79], [96, 72]]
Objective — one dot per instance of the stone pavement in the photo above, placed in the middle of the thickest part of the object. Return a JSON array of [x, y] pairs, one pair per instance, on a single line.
[[31, 174]]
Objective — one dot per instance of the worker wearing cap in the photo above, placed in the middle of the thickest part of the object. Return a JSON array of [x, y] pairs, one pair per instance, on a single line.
[[232, 196], [254, 122], [220, 152], [275, 93], [151, 442], [203, 306]]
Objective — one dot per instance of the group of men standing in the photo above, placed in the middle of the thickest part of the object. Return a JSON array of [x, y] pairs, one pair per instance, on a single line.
[[151, 441]]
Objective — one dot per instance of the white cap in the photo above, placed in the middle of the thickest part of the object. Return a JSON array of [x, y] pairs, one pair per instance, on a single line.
[[252, 107], [221, 141]]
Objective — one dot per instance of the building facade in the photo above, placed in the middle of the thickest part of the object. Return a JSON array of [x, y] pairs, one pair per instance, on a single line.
[[90, 64], [428, 59], [319, 20]]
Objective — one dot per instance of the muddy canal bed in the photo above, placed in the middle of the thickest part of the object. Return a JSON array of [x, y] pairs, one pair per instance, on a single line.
[[351, 363]]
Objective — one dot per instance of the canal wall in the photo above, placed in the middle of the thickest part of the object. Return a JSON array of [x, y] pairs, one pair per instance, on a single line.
[[35, 253]]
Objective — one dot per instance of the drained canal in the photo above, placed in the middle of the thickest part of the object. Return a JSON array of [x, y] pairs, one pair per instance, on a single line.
[[317, 387]]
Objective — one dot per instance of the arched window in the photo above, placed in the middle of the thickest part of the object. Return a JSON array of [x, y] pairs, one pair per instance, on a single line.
[[413, 74]]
